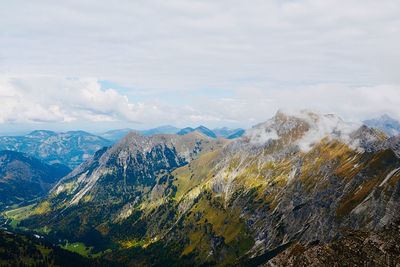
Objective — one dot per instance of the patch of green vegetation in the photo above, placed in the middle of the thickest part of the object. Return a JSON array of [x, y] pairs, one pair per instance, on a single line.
[[19, 214], [25, 250], [78, 247], [83, 250]]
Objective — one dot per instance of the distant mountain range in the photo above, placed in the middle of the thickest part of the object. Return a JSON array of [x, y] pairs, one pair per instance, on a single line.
[[70, 148], [167, 129], [386, 124], [115, 135], [24, 178], [201, 129], [224, 132]]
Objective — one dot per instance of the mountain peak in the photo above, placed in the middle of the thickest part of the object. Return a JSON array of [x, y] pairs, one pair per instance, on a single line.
[[204, 130], [386, 117], [303, 128], [201, 129], [228, 133], [164, 129], [41, 133], [385, 123], [185, 130], [281, 115]]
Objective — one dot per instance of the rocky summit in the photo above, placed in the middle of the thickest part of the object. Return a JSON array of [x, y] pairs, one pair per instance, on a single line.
[[302, 189]]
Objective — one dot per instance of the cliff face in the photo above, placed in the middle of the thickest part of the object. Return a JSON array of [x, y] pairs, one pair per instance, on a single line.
[[352, 248]]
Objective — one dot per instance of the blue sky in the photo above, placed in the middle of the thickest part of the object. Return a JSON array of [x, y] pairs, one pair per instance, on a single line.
[[140, 64]]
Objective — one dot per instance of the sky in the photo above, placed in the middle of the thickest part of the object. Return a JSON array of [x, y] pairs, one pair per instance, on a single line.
[[97, 65]]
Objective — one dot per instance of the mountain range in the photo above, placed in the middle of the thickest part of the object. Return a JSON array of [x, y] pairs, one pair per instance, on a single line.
[[298, 189], [74, 147], [70, 148], [228, 133], [225, 132]]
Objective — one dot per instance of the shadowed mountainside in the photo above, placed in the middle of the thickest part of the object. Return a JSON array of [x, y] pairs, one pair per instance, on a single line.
[[24, 178]]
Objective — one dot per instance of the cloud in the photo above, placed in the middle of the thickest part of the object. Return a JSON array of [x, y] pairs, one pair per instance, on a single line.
[[53, 99], [250, 105], [50, 99], [189, 62], [58, 100], [189, 45]]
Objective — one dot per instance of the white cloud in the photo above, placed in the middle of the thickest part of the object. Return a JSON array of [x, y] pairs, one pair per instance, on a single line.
[[252, 105], [52, 99]]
